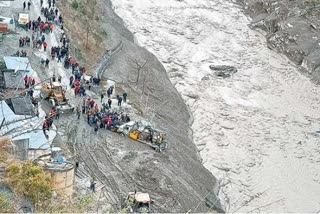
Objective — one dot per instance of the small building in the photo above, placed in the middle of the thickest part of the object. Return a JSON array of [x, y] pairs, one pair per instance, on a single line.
[[14, 80], [29, 141], [61, 171], [22, 105], [31, 145], [17, 63]]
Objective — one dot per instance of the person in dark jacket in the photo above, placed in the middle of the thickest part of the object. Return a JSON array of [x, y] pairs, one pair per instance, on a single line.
[[47, 63], [119, 101], [109, 103], [71, 80], [101, 96]]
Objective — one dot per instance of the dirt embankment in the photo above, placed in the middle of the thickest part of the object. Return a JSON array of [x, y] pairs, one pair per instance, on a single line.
[[176, 179], [292, 28]]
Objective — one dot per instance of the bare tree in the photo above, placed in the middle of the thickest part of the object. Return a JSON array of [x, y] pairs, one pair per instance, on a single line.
[[88, 12], [139, 66], [144, 80]]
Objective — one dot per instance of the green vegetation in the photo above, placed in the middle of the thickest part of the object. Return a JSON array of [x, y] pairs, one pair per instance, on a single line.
[[80, 205], [30, 181], [6, 205], [75, 5]]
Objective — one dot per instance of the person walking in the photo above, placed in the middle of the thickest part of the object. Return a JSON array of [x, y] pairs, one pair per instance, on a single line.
[[26, 80], [92, 184], [44, 46], [71, 80], [109, 92], [109, 103], [41, 2], [24, 5], [78, 112], [125, 94], [59, 57], [119, 100], [111, 89], [47, 63], [29, 4], [96, 128], [90, 85], [102, 96], [57, 113]]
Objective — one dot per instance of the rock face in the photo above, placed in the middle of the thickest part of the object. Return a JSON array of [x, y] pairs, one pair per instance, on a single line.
[[292, 28], [176, 179]]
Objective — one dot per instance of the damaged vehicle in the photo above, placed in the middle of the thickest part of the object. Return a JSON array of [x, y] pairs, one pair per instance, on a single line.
[[143, 132]]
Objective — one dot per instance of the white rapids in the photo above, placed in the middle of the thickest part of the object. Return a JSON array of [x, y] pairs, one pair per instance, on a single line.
[[257, 131]]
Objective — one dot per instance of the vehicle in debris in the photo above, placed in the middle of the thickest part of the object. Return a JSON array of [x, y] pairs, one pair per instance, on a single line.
[[143, 132], [23, 19], [137, 202], [55, 93]]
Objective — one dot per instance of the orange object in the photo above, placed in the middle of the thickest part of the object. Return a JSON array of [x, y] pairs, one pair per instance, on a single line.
[[4, 28], [134, 134]]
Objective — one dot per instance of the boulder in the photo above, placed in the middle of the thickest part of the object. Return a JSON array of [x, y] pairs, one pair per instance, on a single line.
[[223, 71]]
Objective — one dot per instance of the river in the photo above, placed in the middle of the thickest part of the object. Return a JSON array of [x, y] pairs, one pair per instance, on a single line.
[[257, 131]]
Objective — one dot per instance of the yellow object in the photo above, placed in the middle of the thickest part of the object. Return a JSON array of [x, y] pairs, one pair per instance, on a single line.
[[134, 134]]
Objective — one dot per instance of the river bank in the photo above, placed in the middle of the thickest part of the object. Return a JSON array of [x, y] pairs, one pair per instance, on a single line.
[[176, 179]]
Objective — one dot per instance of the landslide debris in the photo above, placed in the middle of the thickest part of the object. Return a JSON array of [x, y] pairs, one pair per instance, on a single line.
[[176, 180], [292, 28]]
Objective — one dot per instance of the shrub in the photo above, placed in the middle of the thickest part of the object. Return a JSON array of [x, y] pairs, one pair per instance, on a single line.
[[30, 180], [5, 204], [75, 5]]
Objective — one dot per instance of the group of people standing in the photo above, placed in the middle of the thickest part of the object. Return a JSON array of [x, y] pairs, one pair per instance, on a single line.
[[25, 4], [24, 41], [22, 53]]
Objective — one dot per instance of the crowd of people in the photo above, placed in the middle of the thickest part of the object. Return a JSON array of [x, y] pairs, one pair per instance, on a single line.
[[99, 115], [24, 41], [22, 53], [103, 117], [28, 81]]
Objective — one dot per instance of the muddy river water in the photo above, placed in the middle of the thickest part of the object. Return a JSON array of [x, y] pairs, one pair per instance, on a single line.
[[257, 131]]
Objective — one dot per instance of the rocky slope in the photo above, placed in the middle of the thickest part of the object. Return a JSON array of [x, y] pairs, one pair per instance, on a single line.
[[292, 28], [176, 179]]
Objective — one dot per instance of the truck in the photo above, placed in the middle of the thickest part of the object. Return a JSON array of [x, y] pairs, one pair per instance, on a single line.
[[23, 19], [55, 93], [136, 202]]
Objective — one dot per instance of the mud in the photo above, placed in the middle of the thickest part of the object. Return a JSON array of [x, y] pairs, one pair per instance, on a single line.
[[176, 179]]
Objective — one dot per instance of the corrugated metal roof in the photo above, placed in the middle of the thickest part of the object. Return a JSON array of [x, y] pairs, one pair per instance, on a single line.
[[12, 80], [22, 105], [37, 140], [17, 62]]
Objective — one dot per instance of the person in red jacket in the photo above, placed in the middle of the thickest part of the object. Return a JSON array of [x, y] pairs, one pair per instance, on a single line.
[[45, 46], [76, 90]]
